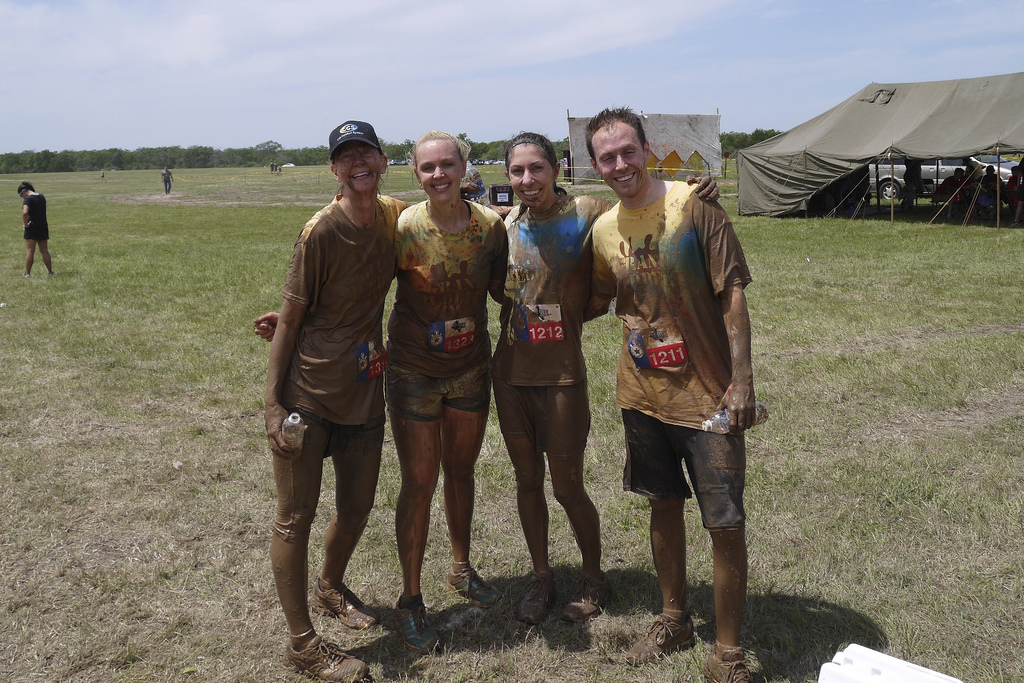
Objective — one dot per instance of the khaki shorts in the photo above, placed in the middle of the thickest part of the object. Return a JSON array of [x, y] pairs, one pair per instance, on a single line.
[[556, 419], [423, 398]]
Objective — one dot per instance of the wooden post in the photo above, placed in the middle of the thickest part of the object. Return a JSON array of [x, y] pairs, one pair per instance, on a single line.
[[999, 187], [878, 193], [892, 188]]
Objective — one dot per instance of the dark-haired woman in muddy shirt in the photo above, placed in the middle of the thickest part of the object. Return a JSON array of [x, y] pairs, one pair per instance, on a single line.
[[539, 374]]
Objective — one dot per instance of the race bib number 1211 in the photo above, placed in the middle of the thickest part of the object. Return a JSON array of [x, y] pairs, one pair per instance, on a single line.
[[648, 351]]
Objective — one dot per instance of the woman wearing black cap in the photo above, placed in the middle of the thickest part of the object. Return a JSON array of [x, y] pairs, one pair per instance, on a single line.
[[37, 230], [326, 363]]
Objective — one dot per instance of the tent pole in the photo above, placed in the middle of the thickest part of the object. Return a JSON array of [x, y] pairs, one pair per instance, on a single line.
[[999, 186], [892, 189], [878, 194]]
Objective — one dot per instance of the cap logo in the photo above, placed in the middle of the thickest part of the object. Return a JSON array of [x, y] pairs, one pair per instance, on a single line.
[[348, 128]]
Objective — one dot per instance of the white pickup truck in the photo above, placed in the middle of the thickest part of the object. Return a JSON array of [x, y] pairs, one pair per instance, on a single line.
[[933, 172]]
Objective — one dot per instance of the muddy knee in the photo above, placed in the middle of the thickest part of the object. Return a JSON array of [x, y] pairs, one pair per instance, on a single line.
[[294, 527]]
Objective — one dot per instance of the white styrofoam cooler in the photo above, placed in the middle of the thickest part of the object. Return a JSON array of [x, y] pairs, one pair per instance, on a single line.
[[858, 664]]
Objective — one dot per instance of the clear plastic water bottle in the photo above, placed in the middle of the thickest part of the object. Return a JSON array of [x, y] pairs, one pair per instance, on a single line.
[[292, 430], [719, 422]]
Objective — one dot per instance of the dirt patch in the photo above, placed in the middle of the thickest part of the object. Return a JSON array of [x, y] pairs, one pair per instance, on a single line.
[[987, 407], [234, 200], [907, 339]]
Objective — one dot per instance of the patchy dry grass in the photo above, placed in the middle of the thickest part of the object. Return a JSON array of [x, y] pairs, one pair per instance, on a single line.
[[885, 502]]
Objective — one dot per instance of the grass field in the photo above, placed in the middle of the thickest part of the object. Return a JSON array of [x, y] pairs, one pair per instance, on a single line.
[[885, 496]]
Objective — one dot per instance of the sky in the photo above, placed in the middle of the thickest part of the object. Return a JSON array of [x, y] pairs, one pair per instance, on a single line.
[[97, 74]]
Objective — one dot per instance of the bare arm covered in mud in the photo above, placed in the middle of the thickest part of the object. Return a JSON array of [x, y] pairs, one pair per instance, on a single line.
[[739, 397], [284, 332]]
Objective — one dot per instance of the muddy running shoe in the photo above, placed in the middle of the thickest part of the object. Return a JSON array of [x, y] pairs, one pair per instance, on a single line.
[[418, 634], [726, 665], [343, 604], [663, 636], [324, 661], [540, 595], [589, 599], [469, 585]]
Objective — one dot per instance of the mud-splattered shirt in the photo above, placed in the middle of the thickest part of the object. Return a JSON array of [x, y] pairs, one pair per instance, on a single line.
[[666, 263], [547, 285], [341, 273], [438, 325]]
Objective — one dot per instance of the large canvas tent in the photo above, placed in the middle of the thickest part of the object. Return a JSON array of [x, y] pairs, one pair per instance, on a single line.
[[937, 119]]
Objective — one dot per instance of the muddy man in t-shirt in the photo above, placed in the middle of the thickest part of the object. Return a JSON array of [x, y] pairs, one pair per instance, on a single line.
[[675, 268]]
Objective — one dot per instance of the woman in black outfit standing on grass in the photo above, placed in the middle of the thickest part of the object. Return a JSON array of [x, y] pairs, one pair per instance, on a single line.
[[37, 231]]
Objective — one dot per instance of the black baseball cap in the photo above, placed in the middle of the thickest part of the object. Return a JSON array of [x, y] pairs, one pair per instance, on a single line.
[[352, 130]]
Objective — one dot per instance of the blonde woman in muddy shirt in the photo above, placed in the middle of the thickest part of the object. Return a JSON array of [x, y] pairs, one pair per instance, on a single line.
[[540, 376], [450, 253]]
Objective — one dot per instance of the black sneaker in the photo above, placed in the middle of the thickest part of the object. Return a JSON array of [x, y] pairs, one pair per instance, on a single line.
[[539, 597], [418, 634]]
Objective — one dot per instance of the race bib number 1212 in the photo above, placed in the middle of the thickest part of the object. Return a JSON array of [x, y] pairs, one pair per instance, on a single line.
[[539, 322]]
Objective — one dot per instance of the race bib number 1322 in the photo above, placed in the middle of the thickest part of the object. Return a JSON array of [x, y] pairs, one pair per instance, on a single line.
[[370, 361], [449, 336]]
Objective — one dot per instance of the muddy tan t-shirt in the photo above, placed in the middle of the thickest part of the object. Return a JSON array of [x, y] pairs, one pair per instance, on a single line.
[[438, 326], [666, 263], [342, 273], [547, 285]]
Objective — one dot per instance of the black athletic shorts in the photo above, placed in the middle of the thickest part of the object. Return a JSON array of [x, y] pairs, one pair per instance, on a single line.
[[716, 464], [37, 234]]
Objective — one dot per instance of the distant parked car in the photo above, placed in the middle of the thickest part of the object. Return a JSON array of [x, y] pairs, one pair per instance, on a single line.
[[933, 172]]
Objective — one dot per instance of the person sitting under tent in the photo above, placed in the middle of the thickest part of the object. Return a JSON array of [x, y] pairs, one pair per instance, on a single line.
[[952, 190], [980, 193], [991, 188], [1012, 188]]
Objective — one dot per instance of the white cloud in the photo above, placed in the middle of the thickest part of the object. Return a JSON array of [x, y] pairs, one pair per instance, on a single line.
[[228, 73]]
